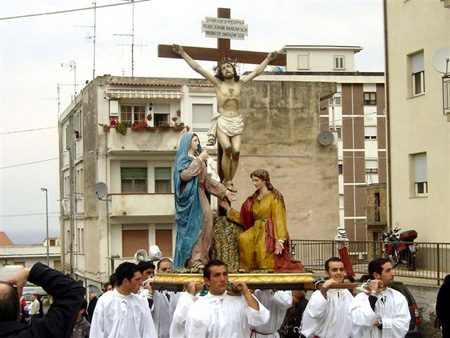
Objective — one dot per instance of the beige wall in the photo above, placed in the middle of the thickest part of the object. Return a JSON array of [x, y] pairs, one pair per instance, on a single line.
[[417, 123], [281, 127]]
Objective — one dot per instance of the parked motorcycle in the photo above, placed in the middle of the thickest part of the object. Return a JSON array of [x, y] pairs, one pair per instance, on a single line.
[[400, 247]]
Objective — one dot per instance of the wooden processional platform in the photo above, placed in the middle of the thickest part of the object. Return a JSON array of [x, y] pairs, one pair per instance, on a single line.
[[278, 281]]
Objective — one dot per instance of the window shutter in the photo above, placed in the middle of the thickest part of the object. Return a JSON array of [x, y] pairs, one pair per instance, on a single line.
[[417, 63], [113, 108], [420, 167], [134, 173], [163, 174]]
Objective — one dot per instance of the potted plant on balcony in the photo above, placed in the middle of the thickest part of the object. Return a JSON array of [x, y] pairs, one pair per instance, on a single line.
[[178, 126], [121, 127], [164, 126], [139, 126], [179, 113], [106, 128]]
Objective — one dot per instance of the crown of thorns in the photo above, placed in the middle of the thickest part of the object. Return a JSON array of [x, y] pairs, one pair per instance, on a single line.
[[225, 60]]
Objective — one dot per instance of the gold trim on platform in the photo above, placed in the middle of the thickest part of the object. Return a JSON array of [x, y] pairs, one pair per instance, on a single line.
[[168, 280]]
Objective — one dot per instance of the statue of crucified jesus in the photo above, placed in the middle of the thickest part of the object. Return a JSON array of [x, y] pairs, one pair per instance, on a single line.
[[227, 125]]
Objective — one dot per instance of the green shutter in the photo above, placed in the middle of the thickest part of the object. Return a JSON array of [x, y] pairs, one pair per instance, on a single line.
[[134, 173], [163, 174]]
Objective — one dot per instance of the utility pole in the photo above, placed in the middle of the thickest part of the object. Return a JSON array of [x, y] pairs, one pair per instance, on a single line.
[[46, 225]]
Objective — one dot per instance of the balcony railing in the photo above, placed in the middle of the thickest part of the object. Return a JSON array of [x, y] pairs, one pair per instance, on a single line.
[[432, 259]]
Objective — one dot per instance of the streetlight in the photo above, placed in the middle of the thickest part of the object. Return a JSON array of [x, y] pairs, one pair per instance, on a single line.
[[46, 223]]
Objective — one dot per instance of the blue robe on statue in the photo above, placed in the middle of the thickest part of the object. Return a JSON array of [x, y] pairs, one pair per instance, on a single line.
[[188, 209]]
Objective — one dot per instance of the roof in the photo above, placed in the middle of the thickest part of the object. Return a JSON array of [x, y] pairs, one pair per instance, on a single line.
[[4, 239], [356, 49]]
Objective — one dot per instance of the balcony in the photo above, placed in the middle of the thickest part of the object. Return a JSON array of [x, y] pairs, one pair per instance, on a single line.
[[142, 205], [159, 140]]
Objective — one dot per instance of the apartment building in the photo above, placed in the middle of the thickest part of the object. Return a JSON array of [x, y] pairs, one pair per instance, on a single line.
[[133, 207], [418, 54], [356, 116]]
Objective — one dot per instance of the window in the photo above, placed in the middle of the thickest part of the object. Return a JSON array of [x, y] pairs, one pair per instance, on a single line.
[[417, 73], [163, 239], [370, 133], [340, 169], [201, 117], [420, 174], [163, 180], [338, 131], [371, 167], [133, 240], [303, 61], [336, 100], [161, 114], [370, 99], [132, 114], [80, 240], [339, 62], [134, 179]]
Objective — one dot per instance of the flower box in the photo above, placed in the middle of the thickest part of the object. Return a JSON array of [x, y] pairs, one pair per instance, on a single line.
[[177, 128], [152, 129]]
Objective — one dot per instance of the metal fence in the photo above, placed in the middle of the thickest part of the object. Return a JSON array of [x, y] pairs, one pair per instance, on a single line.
[[432, 260]]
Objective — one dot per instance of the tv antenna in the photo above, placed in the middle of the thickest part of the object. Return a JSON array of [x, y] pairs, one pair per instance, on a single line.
[[93, 36], [132, 38]]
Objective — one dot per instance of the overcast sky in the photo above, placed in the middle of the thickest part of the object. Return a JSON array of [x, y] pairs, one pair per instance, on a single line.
[[33, 48]]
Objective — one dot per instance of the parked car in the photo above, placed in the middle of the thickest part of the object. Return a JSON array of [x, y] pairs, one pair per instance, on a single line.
[[414, 326]]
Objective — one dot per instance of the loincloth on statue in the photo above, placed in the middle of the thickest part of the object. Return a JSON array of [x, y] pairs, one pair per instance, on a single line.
[[230, 126]]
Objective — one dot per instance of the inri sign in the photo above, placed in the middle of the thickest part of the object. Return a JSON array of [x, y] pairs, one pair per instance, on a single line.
[[224, 28]]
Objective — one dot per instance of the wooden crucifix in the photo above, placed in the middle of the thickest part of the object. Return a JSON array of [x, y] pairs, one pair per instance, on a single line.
[[223, 50]]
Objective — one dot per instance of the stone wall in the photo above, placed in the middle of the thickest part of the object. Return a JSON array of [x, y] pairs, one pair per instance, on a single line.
[[281, 127]]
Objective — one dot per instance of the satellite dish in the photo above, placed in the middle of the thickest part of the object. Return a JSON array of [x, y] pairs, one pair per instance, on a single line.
[[325, 138], [440, 59], [100, 190], [141, 255]]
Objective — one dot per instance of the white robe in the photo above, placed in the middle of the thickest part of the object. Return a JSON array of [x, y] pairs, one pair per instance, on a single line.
[[177, 328], [223, 316], [391, 307], [121, 316], [277, 303], [162, 311], [328, 318]]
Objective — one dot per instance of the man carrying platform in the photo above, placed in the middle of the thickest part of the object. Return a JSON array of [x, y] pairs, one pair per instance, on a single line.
[[219, 314], [380, 311], [327, 312]]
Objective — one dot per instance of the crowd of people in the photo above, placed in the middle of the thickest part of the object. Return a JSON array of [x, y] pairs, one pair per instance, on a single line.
[[129, 307]]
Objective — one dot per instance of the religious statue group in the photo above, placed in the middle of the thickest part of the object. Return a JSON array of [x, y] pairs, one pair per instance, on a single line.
[[264, 245]]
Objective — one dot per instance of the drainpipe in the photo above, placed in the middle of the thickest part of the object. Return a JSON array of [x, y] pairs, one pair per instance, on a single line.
[[388, 120]]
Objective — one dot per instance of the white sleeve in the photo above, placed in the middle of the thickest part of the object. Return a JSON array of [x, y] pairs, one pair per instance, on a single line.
[[195, 327], [398, 326], [256, 317], [361, 313], [283, 299], [147, 329], [177, 327], [317, 306], [97, 330]]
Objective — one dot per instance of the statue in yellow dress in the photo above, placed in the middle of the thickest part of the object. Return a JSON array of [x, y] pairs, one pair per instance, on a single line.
[[265, 242]]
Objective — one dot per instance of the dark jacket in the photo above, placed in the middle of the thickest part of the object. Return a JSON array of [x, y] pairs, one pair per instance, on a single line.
[[442, 307], [60, 318]]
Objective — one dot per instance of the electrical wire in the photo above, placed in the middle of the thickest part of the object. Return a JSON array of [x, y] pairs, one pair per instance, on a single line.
[[22, 164], [25, 131], [69, 10], [38, 214]]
